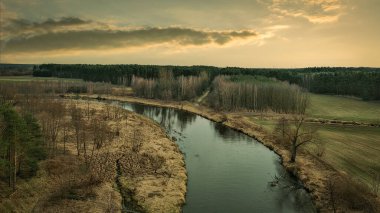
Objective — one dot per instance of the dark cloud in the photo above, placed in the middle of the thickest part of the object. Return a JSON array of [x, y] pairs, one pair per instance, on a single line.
[[50, 23], [98, 39], [14, 27]]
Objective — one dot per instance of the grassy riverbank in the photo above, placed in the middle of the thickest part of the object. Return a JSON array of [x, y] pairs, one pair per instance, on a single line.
[[353, 150]]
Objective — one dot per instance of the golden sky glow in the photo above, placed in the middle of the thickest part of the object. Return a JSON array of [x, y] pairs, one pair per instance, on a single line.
[[247, 33]]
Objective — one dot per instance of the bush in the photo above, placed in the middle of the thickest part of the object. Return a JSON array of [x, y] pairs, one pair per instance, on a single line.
[[352, 195]]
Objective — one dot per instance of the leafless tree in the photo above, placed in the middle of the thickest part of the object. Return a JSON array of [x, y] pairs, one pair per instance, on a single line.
[[294, 134], [375, 182], [333, 197], [136, 141], [280, 129], [52, 118], [320, 148], [77, 123], [275, 96], [65, 135]]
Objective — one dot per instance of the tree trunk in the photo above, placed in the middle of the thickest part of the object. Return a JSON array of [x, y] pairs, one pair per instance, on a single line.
[[78, 145], [294, 153], [12, 166]]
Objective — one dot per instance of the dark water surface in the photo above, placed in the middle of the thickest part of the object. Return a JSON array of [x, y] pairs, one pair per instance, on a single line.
[[227, 170]]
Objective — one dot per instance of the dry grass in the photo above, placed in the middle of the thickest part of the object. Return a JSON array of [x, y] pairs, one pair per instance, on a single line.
[[66, 183], [138, 165]]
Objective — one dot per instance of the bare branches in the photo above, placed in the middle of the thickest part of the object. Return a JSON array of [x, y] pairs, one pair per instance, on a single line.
[[167, 87], [256, 95], [77, 123], [294, 134]]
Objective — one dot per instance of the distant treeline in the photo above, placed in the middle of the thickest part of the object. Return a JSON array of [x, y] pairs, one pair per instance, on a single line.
[[277, 96], [360, 82], [16, 69]]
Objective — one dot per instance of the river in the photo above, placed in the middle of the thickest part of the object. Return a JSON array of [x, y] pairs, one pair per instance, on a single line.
[[228, 171]]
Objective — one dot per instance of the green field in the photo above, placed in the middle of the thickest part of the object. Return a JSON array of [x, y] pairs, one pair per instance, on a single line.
[[354, 150], [343, 108], [31, 78]]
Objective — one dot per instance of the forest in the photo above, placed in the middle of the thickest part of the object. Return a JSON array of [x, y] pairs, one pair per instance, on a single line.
[[167, 87], [280, 97], [360, 82]]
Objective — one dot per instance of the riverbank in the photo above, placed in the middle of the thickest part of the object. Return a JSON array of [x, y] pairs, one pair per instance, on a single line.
[[137, 167], [313, 172], [151, 166]]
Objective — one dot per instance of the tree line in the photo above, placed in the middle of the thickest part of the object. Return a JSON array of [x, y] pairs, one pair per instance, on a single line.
[[361, 82], [276, 96], [169, 87]]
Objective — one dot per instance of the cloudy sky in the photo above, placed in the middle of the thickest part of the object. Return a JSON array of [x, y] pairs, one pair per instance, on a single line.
[[246, 33]]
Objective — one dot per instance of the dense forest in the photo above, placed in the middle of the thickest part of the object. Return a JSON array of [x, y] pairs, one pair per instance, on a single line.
[[359, 82]]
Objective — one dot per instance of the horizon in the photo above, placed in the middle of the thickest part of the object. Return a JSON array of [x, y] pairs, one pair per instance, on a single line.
[[273, 34], [200, 65]]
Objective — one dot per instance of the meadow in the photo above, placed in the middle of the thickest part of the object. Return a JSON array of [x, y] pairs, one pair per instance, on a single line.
[[343, 108], [31, 78], [354, 150]]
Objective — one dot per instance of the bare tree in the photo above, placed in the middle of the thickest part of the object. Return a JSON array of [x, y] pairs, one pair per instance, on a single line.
[[88, 109], [320, 148], [51, 119], [107, 108], [65, 136], [375, 182], [333, 197], [295, 134], [77, 123], [136, 141], [280, 129]]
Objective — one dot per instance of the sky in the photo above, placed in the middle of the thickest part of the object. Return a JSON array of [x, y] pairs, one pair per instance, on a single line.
[[244, 33]]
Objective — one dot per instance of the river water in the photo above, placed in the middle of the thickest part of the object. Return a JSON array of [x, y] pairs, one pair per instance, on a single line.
[[228, 171]]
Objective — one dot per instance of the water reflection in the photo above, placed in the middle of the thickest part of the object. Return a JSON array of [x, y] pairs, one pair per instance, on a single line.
[[290, 192], [227, 133], [227, 170], [166, 117]]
